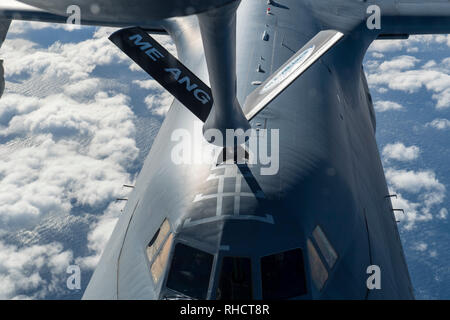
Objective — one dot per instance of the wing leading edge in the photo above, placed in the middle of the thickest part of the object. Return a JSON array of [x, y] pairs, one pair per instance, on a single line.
[[415, 17], [14, 10], [281, 79]]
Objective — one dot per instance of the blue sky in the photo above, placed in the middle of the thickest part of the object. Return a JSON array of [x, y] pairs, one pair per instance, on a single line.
[[78, 118], [410, 86]]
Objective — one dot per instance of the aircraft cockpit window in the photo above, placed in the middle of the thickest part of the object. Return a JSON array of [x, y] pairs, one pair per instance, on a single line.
[[159, 265], [325, 247], [190, 271], [158, 250], [319, 273], [283, 275], [235, 279]]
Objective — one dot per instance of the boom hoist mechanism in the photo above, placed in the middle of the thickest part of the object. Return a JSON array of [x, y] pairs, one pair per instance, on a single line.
[[218, 106]]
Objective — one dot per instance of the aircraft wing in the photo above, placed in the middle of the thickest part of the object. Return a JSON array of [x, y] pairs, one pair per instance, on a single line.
[[416, 17], [281, 79], [15, 10]]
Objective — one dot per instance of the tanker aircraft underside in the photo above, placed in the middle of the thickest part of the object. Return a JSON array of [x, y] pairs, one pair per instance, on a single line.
[[294, 202]]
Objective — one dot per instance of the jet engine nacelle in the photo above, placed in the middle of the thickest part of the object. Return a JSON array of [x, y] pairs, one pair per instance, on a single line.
[[129, 10]]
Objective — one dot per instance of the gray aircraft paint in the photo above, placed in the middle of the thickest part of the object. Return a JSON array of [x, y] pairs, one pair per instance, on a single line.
[[4, 26], [313, 142], [330, 170]]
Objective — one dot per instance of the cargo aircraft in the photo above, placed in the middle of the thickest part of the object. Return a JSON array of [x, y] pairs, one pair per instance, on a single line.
[[312, 220]]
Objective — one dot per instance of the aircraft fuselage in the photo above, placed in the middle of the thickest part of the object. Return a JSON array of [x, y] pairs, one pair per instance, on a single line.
[[308, 231]]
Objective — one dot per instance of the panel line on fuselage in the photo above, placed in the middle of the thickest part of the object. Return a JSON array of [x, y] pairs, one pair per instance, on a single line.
[[238, 172]]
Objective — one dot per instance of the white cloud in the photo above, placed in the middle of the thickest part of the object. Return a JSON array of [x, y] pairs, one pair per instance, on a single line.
[[372, 65], [446, 62], [412, 50], [412, 80], [160, 103], [421, 246], [99, 235], [160, 100], [406, 73], [443, 99], [377, 55], [424, 185], [440, 124], [410, 45], [443, 213], [413, 211], [21, 270], [20, 27], [383, 106], [58, 169], [68, 146], [398, 151], [387, 45], [443, 39], [430, 64], [414, 182], [52, 177], [75, 60], [148, 84], [399, 63], [104, 32], [82, 87]]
